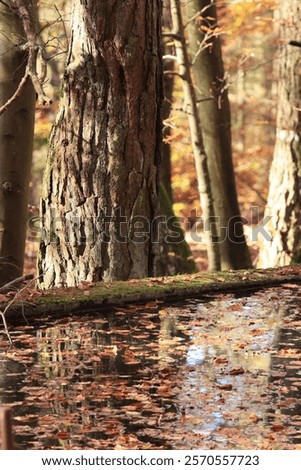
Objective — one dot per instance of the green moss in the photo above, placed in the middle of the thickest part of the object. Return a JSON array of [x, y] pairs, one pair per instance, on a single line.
[[180, 285], [164, 284]]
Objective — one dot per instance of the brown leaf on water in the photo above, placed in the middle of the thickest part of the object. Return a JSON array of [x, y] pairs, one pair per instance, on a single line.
[[221, 360], [277, 427], [63, 435], [257, 332], [225, 387], [254, 418], [237, 371], [153, 303], [236, 308]]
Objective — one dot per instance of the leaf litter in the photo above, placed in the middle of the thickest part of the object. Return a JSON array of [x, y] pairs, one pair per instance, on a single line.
[[216, 373]]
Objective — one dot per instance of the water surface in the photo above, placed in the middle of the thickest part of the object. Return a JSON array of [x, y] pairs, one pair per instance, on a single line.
[[213, 373]]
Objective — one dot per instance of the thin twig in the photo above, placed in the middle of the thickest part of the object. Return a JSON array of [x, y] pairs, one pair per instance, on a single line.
[[6, 327], [15, 282], [196, 15], [15, 96], [19, 291], [33, 50], [64, 25], [5, 4], [295, 43]]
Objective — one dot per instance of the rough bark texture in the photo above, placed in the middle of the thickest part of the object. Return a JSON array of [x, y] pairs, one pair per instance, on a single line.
[[16, 139], [215, 118], [282, 244], [200, 157], [101, 183]]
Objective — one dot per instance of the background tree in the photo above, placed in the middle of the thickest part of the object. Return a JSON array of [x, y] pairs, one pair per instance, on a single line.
[[101, 184], [215, 117], [169, 75], [210, 235], [17, 104], [282, 245]]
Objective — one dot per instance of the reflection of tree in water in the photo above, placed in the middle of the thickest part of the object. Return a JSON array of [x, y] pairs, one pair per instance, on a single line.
[[285, 379], [13, 373], [224, 380], [107, 374], [193, 375]]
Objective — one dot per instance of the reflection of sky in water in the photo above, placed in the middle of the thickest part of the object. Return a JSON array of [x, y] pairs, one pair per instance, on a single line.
[[195, 355], [196, 373], [216, 422]]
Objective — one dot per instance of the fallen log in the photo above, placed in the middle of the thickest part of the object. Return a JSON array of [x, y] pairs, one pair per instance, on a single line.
[[90, 297]]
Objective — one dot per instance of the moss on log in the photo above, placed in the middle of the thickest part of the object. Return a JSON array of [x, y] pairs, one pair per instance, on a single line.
[[88, 297]]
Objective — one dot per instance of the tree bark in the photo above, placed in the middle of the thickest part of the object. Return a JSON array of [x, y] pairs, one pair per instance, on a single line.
[[175, 254], [281, 244], [215, 117], [16, 130], [201, 161], [101, 185], [169, 65]]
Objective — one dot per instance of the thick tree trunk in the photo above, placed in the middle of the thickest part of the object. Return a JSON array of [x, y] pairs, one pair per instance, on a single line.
[[200, 157], [281, 244], [16, 131], [215, 118], [101, 183]]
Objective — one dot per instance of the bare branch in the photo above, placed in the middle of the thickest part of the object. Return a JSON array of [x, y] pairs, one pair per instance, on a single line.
[[5, 4], [15, 282], [295, 43], [33, 51], [15, 95], [2, 314], [196, 15]]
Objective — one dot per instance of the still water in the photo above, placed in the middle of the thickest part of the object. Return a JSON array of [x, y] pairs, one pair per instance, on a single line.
[[210, 373]]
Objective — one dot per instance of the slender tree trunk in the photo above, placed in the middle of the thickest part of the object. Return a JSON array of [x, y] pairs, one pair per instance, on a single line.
[[215, 118], [281, 244], [16, 130], [175, 254], [101, 183], [210, 232], [169, 65]]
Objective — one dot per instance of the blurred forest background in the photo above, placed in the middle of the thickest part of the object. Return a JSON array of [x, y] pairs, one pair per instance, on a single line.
[[250, 38]]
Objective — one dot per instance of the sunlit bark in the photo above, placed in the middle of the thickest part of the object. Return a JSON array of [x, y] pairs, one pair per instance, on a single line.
[[281, 241], [215, 118], [101, 185]]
